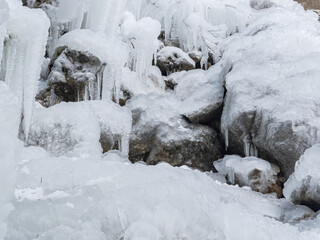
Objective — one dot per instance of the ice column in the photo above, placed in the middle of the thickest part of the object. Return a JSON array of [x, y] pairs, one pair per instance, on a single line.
[[9, 125], [24, 51]]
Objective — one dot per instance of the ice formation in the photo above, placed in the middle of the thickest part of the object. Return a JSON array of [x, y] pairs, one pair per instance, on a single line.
[[66, 188], [23, 55], [9, 150]]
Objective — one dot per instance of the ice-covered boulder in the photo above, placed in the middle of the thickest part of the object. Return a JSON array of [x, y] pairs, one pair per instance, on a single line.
[[303, 186], [132, 85], [254, 172], [160, 134], [272, 107], [201, 93], [75, 129], [72, 76], [173, 59]]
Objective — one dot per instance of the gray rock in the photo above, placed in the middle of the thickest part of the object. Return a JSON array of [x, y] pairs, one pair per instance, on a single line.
[[303, 186], [72, 76], [165, 136], [173, 59]]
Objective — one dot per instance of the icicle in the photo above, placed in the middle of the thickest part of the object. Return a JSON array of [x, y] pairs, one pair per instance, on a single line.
[[246, 146], [226, 135], [125, 144], [85, 97]]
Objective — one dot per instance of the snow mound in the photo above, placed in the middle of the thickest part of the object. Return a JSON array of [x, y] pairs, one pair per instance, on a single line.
[[94, 199]]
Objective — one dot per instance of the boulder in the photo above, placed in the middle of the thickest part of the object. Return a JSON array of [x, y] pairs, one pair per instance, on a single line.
[[253, 172], [81, 128], [303, 186], [272, 109], [173, 59], [160, 133], [132, 85], [201, 93], [72, 76]]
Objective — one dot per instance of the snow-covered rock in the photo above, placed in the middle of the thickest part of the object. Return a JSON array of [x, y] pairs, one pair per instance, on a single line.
[[172, 59], [72, 76], [201, 93], [303, 185], [254, 172], [273, 106], [64, 130], [160, 134], [75, 129]]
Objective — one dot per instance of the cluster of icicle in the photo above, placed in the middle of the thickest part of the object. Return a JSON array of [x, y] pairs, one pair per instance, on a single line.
[[123, 34], [128, 30]]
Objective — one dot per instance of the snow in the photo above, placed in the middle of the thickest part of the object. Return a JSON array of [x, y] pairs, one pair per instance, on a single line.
[[9, 150], [111, 199]]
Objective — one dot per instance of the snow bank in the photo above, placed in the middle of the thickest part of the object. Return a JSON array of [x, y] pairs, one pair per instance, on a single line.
[[112, 199]]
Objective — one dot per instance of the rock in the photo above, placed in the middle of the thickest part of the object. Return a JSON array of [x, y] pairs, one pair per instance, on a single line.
[[160, 134], [171, 42], [256, 173], [81, 128], [72, 76], [132, 85], [36, 3], [303, 186], [197, 57], [173, 59], [201, 93], [261, 4], [294, 214], [272, 110], [309, 4]]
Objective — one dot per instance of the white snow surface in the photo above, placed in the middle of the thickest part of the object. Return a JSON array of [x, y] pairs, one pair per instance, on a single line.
[[86, 198]]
